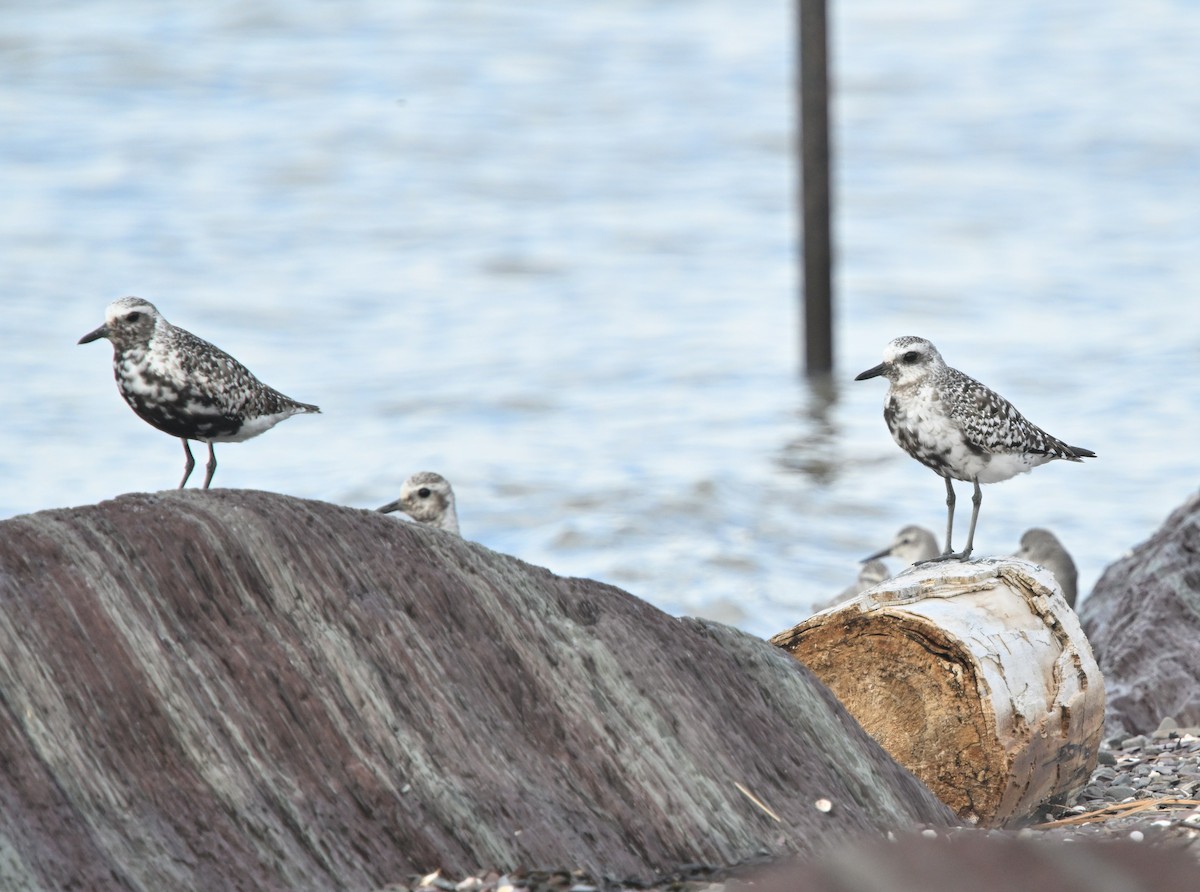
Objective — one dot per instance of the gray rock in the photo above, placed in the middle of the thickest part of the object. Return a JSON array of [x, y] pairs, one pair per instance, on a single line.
[[235, 689], [1143, 620], [1118, 793]]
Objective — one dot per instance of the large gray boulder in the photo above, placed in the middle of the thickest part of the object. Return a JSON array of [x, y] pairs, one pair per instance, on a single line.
[[1143, 620], [240, 690]]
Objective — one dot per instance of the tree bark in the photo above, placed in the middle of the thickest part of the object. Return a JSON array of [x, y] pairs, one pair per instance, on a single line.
[[976, 677]]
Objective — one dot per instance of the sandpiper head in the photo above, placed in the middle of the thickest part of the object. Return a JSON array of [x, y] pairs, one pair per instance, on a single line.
[[127, 322], [911, 544], [428, 498], [905, 360]]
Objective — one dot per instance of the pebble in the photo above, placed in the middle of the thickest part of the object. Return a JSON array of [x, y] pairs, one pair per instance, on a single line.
[[1136, 770]]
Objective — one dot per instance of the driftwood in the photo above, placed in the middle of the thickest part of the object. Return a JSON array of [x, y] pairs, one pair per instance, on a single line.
[[1143, 619], [977, 677], [240, 690]]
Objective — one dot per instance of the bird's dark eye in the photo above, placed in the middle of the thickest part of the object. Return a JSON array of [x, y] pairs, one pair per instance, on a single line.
[[133, 317], [424, 492], [911, 356]]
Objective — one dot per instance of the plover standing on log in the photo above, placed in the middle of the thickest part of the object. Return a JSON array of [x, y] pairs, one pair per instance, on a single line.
[[1040, 546], [958, 428], [427, 498], [184, 386]]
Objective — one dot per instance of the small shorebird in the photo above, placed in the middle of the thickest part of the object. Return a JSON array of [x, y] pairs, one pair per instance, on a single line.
[[427, 498], [959, 428], [184, 386], [913, 544], [1040, 546], [870, 574]]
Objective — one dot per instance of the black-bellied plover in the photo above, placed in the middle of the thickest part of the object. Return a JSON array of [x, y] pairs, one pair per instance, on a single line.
[[1040, 546], [184, 386], [958, 428], [427, 498], [912, 544]]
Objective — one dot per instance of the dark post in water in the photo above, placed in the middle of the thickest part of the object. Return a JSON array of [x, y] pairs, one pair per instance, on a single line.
[[812, 73]]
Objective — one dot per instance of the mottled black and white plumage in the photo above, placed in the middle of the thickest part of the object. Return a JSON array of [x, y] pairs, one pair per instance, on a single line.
[[1040, 546], [958, 428], [427, 498], [184, 386]]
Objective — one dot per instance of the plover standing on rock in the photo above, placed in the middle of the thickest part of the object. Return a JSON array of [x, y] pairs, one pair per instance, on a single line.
[[958, 428], [184, 386], [1040, 546], [427, 498]]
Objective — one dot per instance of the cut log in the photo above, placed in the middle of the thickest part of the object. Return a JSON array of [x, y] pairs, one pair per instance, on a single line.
[[976, 677]]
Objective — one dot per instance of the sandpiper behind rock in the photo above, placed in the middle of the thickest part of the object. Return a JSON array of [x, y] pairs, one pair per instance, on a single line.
[[427, 498]]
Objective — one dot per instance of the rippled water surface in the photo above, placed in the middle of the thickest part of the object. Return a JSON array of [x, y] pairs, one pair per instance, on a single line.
[[548, 251]]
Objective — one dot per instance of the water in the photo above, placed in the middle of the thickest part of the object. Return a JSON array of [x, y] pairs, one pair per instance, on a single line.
[[549, 253]]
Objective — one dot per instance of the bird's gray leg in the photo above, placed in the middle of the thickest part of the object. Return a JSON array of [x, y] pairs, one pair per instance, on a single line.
[[211, 467], [976, 501], [187, 465], [949, 514], [948, 554]]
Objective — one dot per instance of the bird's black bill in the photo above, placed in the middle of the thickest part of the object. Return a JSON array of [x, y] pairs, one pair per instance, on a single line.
[[879, 554], [101, 332], [871, 373], [389, 507]]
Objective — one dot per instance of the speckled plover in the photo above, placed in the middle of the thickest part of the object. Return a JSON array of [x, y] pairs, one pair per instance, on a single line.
[[427, 498], [958, 428], [184, 386]]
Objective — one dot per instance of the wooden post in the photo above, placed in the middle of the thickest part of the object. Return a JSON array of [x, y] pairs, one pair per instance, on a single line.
[[812, 75]]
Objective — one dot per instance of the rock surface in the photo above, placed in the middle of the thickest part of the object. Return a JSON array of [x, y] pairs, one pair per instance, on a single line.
[[239, 690], [1143, 619]]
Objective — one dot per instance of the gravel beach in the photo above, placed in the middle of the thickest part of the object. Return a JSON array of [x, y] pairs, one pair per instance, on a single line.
[[1145, 789]]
